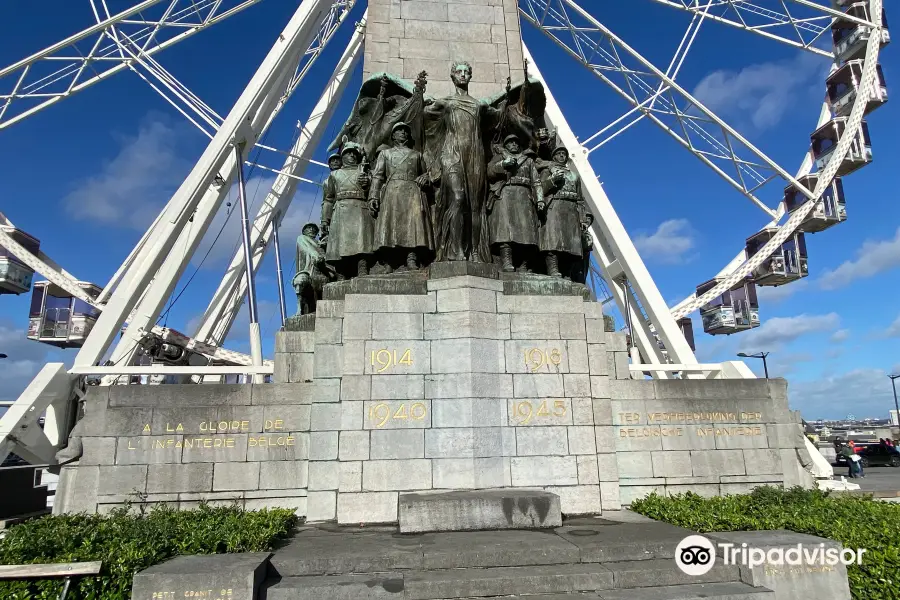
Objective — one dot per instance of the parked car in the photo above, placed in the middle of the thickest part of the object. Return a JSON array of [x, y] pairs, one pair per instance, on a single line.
[[875, 454]]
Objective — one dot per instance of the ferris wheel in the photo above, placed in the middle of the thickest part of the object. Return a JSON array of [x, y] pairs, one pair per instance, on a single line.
[[119, 322]]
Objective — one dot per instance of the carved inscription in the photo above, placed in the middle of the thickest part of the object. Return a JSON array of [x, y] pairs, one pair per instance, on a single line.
[[380, 414], [385, 359], [274, 434], [208, 594], [537, 358], [667, 420], [527, 410]]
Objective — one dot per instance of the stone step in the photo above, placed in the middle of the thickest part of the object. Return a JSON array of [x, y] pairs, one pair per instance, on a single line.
[[700, 591], [479, 510], [331, 550], [498, 581]]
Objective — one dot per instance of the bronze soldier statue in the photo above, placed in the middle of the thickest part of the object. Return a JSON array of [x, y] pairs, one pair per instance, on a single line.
[[312, 270], [346, 218], [403, 235], [335, 162], [565, 215], [515, 192]]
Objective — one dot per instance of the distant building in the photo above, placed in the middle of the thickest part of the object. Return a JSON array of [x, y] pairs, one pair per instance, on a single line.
[[893, 418]]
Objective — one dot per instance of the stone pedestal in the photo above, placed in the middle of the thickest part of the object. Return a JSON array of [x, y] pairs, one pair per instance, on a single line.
[[473, 381]]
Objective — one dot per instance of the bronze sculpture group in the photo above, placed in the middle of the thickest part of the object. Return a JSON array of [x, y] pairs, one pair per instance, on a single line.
[[454, 179]]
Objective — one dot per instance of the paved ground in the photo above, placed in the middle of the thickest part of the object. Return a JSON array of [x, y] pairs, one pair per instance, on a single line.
[[878, 479]]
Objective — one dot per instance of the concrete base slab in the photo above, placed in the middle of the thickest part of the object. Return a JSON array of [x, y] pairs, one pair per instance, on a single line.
[[240, 575], [479, 510]]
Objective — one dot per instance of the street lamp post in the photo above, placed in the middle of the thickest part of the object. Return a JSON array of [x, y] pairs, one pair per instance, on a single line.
[[894, 385], [761, 355]]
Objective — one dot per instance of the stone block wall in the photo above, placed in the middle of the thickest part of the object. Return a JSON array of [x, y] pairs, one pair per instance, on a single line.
[[710, 437], [180, 444], [460, 388], [404, 37]]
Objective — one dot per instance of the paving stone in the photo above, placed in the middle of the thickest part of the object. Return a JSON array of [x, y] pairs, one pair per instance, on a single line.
[[497, 581], [578, 499], [197, 477], [478, 510], [282, 474], [241, 574], [397, 443], [510, 547], [388, 475], [397, 326], [541, 441], [236, 476], [122, 479], [323, 445], [353, 445], [544, 470]]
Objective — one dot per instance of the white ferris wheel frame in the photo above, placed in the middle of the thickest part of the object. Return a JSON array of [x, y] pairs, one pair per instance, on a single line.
[[141, 286]]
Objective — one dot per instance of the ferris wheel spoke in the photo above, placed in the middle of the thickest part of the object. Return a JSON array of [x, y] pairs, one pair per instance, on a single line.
[[60, 70], [798, 23], [657, 96]]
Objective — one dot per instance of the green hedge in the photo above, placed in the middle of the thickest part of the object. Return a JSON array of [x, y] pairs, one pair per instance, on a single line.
[[128, 542], [854, 521]]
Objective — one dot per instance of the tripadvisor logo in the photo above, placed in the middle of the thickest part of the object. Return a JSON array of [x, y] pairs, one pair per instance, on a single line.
[[695, 555]]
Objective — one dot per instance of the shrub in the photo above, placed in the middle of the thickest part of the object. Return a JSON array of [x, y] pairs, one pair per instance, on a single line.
[[128, 541], [854, 521]]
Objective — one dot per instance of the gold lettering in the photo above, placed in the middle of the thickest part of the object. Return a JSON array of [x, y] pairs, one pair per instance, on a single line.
[[146, 428], [229, 442], [207, 443], [130, 447], [245, 425]]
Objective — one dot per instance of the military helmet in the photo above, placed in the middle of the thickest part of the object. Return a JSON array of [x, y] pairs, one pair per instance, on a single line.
[[511, 137], [401, 125], [334, 155], [311, 226], [352, 146]]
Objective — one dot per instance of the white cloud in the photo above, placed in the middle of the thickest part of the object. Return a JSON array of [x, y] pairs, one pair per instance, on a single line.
[[872, 258], [758, 96], [893, 329], [781, 330], [840, 335], [132, 187], [862, 392], [775, 294], [25, 359], [669, 243]]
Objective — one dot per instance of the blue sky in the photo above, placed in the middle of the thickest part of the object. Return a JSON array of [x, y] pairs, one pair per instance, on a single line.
[[89, 174]]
